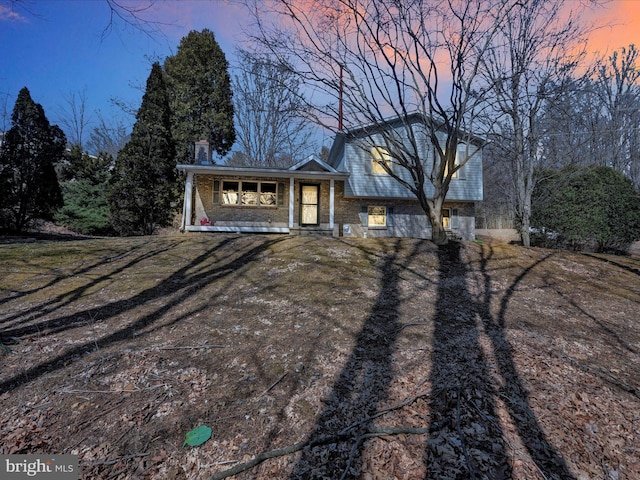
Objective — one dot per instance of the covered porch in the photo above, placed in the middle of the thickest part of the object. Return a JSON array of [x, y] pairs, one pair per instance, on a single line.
[[299, 199]]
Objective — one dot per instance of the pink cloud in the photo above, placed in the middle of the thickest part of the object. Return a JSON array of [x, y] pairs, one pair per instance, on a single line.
[[10, 15]]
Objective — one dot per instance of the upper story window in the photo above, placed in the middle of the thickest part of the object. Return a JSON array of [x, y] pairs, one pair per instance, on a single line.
[[458, 173], [380, 156], [446, 171]]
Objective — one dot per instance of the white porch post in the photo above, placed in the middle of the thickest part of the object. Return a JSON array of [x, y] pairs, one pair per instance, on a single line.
[[331, 202], [188, 200], [291, 200]]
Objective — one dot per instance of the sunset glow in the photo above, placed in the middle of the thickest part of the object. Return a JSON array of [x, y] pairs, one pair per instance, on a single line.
[[622, 18], [113, 66]]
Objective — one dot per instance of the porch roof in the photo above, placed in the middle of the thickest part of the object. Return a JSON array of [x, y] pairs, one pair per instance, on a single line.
[[299, 172]]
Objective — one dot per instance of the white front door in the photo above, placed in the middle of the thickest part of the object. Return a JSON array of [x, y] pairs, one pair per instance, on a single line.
[[309, 204]]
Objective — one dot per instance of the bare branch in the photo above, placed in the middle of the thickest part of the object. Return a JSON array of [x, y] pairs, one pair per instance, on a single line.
[[134, 14], [399, 59], [73, 116]]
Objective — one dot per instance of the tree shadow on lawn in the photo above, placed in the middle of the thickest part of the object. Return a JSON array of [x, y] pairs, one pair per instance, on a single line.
[[611, 261], [180, 286], [59, 301], [363, 383], [466, 440]]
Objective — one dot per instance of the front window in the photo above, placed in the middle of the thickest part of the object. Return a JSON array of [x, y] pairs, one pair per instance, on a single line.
[[377, 216], [446, 169], [458, 173], [230, 193], [380, 159], [250, 194], [268, 194]]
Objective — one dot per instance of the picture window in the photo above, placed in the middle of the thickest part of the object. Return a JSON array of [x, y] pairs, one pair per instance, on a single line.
[[250, 194]]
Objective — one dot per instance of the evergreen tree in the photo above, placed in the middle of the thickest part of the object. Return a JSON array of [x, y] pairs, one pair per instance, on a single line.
[[84, 188], [142, 186], [32, 147], [201, 96]]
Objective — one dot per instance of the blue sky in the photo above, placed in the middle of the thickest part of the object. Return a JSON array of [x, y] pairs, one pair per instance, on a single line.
[[59, 47]]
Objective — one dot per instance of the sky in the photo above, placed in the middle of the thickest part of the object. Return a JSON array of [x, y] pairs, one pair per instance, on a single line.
[[60, 48]]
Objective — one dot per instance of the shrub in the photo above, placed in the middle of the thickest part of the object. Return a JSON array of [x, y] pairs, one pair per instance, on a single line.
[[594, 208]]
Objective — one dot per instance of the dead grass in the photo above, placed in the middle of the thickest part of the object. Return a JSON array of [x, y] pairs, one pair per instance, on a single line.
[[521, 363]]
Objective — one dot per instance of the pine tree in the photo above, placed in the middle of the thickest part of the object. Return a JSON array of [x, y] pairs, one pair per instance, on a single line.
[[85, 179], [201, 96], [29, 186], [142, 187]]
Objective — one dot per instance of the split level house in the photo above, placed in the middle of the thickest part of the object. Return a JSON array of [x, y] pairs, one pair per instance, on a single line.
[[349, 194]]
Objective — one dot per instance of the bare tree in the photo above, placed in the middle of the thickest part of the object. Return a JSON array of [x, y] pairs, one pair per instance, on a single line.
[[271, 128], [392, 58], [73, 116], [109, 137], [529, 65], [132, 14], [617, 86]]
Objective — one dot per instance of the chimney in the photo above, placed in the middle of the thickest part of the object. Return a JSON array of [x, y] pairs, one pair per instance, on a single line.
[[202, 153]]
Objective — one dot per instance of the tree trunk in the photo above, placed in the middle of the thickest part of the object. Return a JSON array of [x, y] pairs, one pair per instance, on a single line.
[[434, 211], [524, 232], [438, 234]]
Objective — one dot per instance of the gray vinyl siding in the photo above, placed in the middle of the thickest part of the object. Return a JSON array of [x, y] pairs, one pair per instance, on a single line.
[[362, 183], [468, 185]]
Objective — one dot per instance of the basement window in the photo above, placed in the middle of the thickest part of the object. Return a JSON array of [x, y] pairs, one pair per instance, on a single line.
[[450, 218], [377, 217]]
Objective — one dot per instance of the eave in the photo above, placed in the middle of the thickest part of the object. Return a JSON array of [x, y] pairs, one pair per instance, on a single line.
[[226, 171]]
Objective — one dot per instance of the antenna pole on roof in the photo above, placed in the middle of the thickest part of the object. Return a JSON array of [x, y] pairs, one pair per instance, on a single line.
[[340, 101]]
